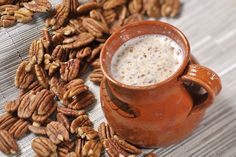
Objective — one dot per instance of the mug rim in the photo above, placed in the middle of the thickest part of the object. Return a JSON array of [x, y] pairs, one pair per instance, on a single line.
[[178, 72]]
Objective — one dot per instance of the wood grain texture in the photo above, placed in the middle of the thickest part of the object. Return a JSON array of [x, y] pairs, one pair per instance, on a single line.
[[210, 26]]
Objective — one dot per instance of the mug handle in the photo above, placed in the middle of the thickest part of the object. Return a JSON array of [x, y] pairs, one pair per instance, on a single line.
[[207, 79]]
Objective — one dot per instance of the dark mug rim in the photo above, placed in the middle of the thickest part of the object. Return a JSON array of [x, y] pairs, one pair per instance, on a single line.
[[133, 26]]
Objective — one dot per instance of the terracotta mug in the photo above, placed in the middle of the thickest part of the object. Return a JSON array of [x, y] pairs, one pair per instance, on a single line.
[[164, 113]]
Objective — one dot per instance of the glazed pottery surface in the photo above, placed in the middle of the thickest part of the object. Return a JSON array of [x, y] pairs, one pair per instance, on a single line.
[[164, 113]]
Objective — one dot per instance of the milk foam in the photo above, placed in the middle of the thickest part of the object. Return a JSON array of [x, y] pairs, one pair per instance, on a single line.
[[146, 60]]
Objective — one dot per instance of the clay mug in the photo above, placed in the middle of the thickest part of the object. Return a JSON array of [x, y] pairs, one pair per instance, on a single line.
[[163, 113]]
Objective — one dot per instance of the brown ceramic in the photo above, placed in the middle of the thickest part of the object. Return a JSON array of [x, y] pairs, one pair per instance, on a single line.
[[164, 113]]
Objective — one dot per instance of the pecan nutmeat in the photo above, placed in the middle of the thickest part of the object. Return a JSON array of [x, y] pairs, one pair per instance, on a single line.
[[7, 143]]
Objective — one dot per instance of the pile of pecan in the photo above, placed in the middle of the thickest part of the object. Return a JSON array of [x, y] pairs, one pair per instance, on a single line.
[[53, 95], [21, 11]]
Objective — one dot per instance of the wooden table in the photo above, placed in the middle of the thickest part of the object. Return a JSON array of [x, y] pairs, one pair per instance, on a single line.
[[210, 26]]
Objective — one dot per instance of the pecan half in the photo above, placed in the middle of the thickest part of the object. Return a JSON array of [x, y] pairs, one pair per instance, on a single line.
[[71, 154], [170, 8], [46, 38], [70, 112], [62, 11], [7, 21], [84, 52], [7, 120], [26, 107], [109, 4], [96, 64], [92, 148], [95, 27], [69, 145], [81, 101], [152, 8], [11, 106], [135, 6], [96, 76], [87, 132], [95, 53], [62, 151], [41, 75], [70, 70], [7, 143], [105, 131], [109, 15], [113, 149], [44, 147], [79, 146], [126, 146], [86, 7], [63, 120], [38, 130], [19, 129], [23, 15], [59, 54], [57, 132], [36, 52], [78, 41], [133, 18], [38, 6], [57, 86], [82, 120], [74, 88], [23, 79], [73, 7], [50, 65], [8, 9]]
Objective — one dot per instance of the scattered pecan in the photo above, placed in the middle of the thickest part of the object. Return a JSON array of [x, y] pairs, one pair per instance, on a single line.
[[59, 54], [73, 7], [109, 4], [117, 24], [23, 79], [19, 129], [69, 70], [109, 15], [57, 132], [133, 18], [7, 120], [46, 38], [44, 147], [58, 37], [86, 7], [151, 154], [95, 53], [62, 151], [41, 75], [135, 6], [26, 105], [96, 64], [62, 11], [11, 106], [92, 148], [96, 76], [8, 9], [78, 41], [81, 101], [38, 130], [79, 146], [76, 24], [7, 143], [105, 131], [82, 120], [87, 132], [23, 15], [70, 112], [113, 149], [74, 88], [42, 118], [50, 65], [36, 52], [63, 120], [7, 21], [98, 16], [84, 52], [95, 27], [170, 8], [69, 145], [126, 146], [57, 86], [38, 6], [152, 8], [71, 154]]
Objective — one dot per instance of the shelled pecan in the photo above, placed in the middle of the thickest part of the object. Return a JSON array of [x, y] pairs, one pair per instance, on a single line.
[[7, 21], [63, 120], [38, 5], [170, 8], [74, 87], [19, 129], [7, 143], [105, 131], [70, 112], [11, 106], [96, 76], [62, 151], [87, 132], [95, 53], [46, 39], [38, 130], [7, 120], [69, 145], [135, 6], [86, 7], [109, 15], [84, 52], [152, 8], [41, 75], [79, 146], [109, 4], [113, 149], [59, 54], [57, 132], [50, 65], [57, 86], [92, 148], [82, 120], [23, 15], [44, 147]]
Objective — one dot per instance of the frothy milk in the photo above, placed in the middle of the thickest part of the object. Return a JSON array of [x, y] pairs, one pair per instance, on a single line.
[[146, 60]]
